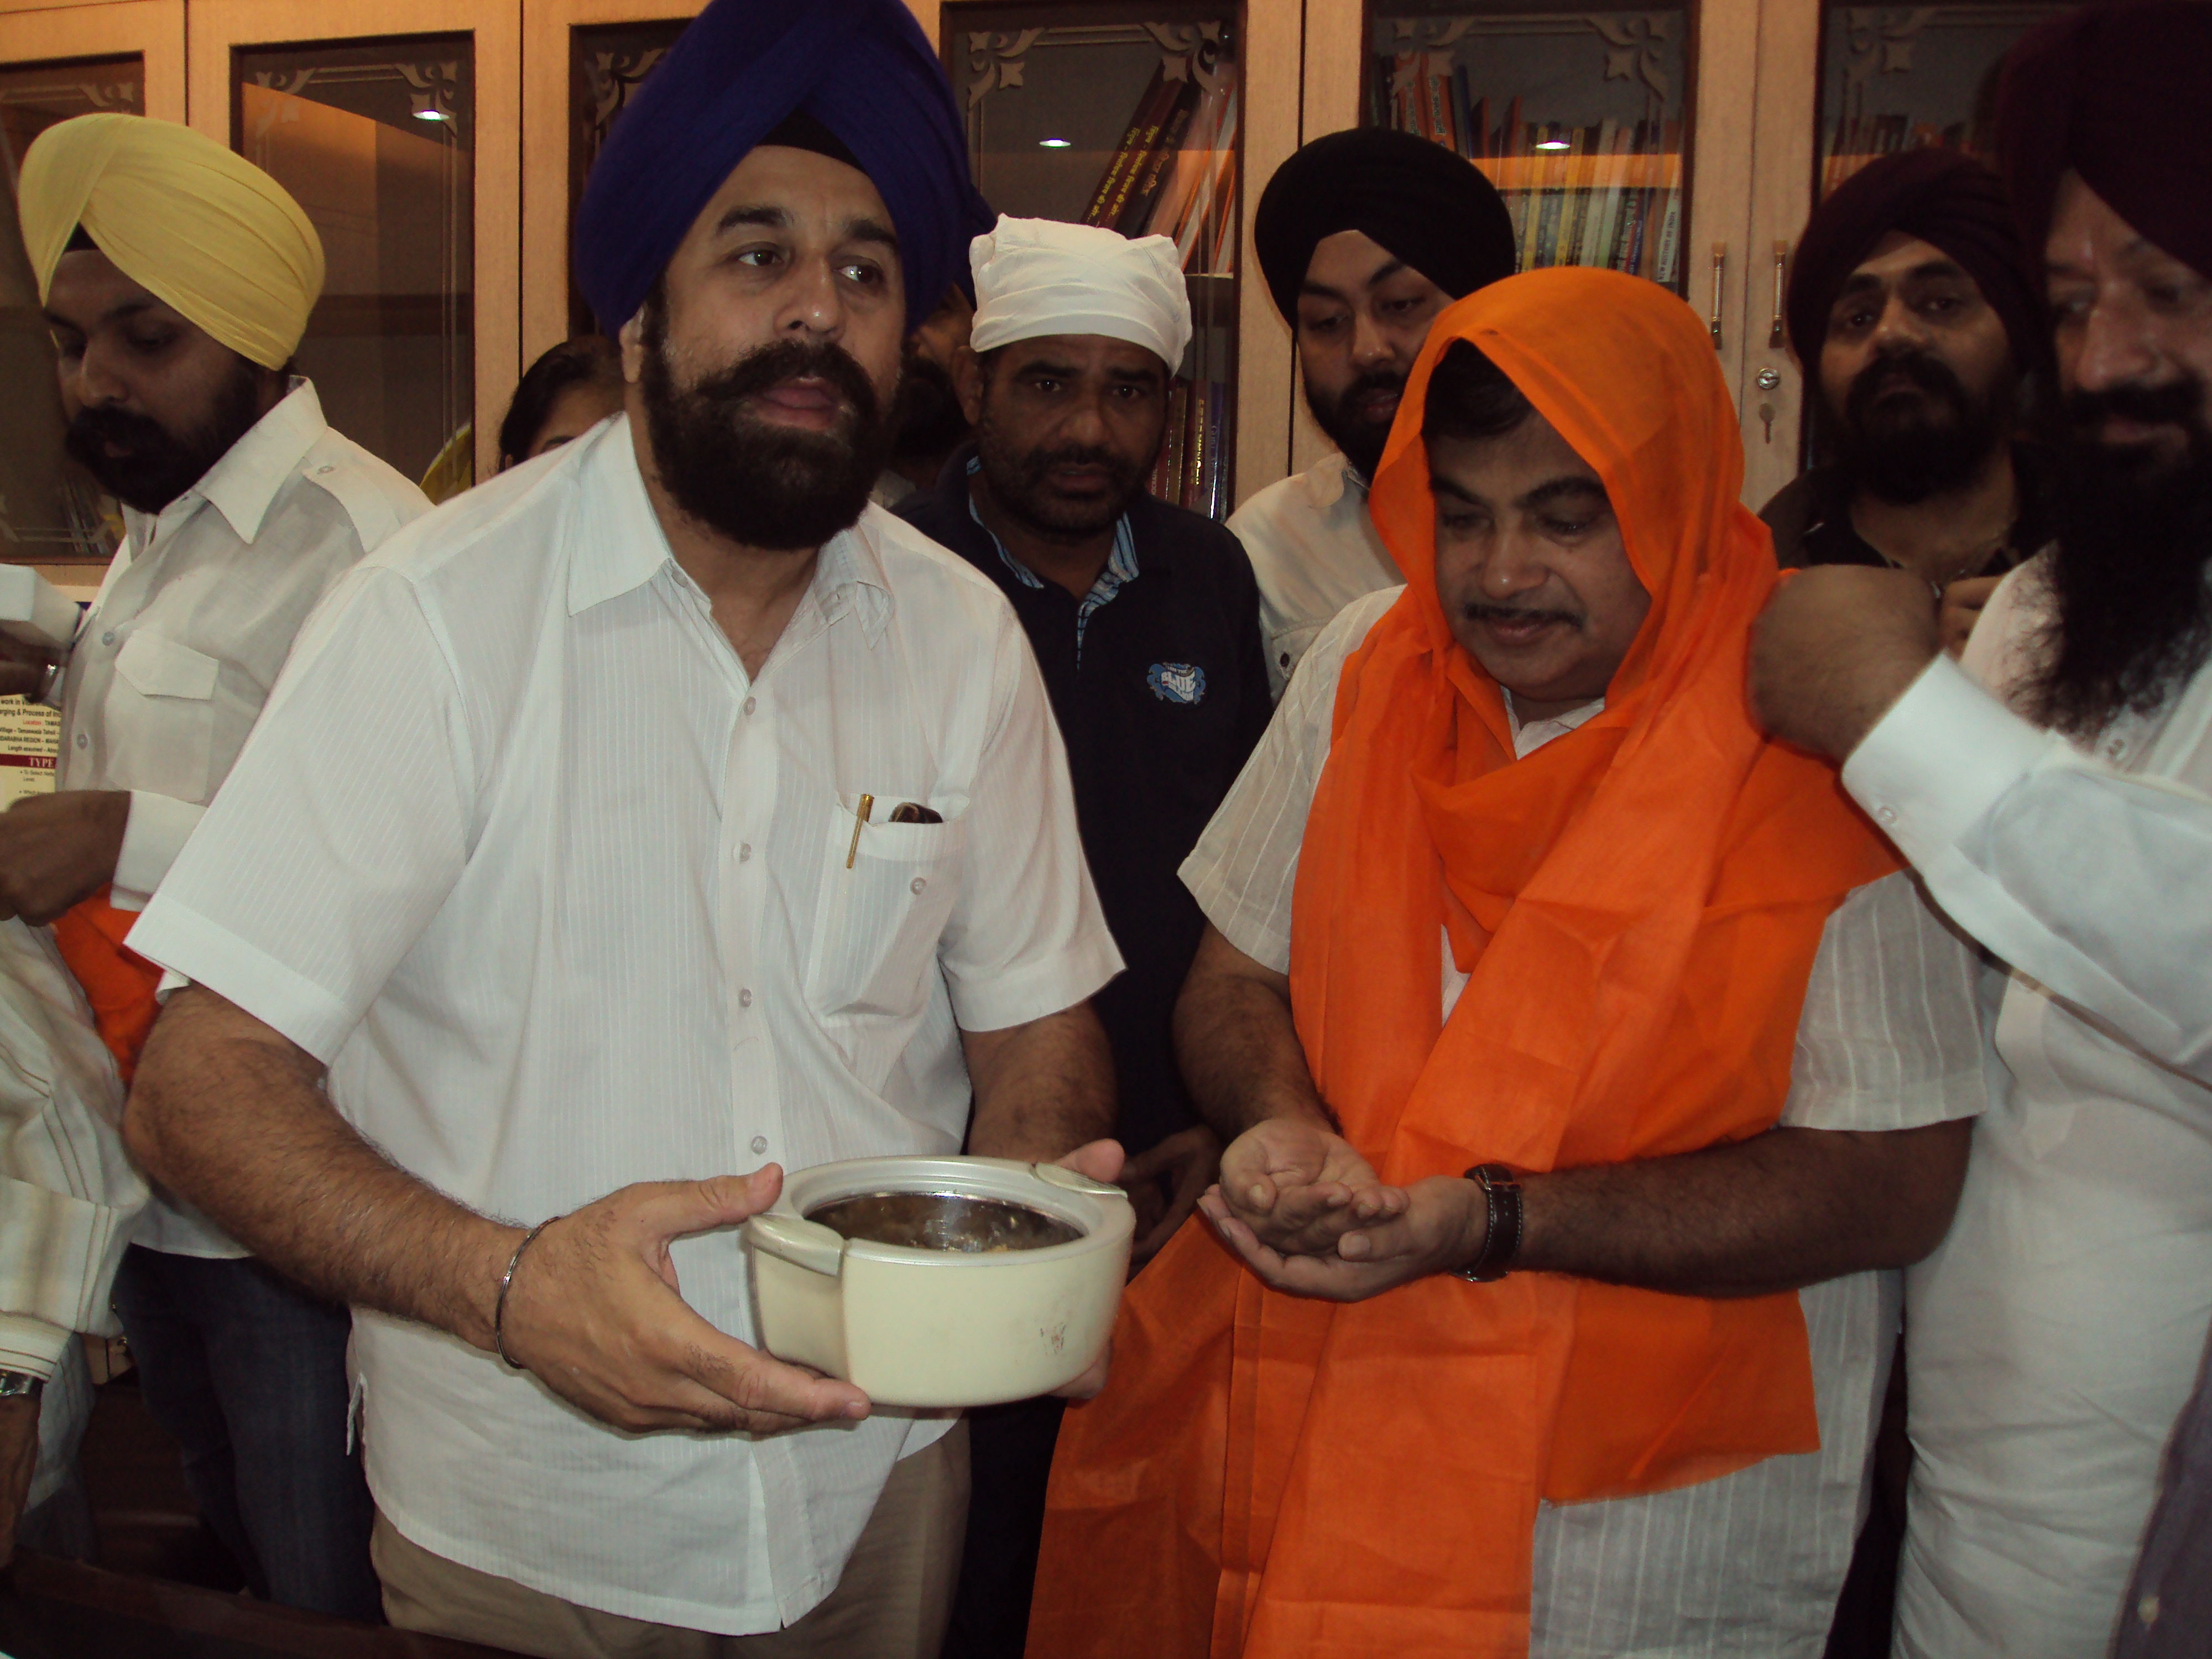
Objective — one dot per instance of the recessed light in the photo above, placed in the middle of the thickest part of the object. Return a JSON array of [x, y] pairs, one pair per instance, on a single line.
[[1055, 143], [432, 115], [1555, 143]]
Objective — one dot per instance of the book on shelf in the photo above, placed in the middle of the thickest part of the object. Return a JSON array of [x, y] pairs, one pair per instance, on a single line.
[[1151, 173], [1174, 174]]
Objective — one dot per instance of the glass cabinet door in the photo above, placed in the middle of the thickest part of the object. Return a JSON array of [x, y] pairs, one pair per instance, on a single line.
[[51, 512], [1903, 77], [374, 139], [56, 62], [1579, 117], [396, 126], [1132, 117]]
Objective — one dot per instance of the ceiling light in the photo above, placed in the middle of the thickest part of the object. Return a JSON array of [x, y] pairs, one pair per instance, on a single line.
[[1054, 143], [1555, 143], [432, 115]]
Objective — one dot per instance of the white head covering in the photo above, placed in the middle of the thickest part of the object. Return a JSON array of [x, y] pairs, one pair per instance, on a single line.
[[1038, 276]]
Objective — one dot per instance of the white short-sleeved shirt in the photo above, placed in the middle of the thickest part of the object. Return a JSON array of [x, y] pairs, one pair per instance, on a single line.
[[1748, 1566], [1314, 549], [180, 650], [561, 896]]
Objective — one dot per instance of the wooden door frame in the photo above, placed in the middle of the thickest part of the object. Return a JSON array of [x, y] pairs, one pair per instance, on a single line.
[[545, 188], [219, 28], [1781, 198], [33, 33]]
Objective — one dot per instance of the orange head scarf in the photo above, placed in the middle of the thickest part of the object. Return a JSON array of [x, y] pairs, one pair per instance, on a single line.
[[1638, 904]]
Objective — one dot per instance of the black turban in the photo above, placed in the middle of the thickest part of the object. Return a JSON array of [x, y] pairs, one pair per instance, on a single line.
[[1432, 208], [862, 81], [1945, 199], [2118, 93]]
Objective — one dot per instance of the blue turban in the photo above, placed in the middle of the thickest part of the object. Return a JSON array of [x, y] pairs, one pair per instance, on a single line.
[[862, 68]]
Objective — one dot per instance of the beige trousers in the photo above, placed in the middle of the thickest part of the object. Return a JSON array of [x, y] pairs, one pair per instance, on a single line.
[[891, 1603]]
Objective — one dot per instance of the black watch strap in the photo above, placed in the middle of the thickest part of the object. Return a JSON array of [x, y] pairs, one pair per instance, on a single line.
[[1501, 1240]]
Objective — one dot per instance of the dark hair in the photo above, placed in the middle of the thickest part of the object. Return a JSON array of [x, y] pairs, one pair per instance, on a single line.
[[587, 358], [1470, 397]]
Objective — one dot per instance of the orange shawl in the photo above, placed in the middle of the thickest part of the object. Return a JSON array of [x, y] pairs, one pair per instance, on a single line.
[[1640, 904]]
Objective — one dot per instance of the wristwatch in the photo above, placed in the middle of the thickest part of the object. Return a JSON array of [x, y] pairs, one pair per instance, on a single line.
[[1501, 1239], [21, 1385]]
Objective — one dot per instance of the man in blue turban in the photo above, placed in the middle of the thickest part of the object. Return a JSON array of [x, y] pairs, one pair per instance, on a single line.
[[658, 816]]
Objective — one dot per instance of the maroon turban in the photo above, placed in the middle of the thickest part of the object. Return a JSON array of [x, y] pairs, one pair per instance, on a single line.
[[2118, 93], [1947, 199]]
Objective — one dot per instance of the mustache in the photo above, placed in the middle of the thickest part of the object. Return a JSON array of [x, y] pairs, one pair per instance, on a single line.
[[1916, 368], [791, 360], [1519, 615], [92, 429], [2179, 402], [1041, 461], [1375, 380]]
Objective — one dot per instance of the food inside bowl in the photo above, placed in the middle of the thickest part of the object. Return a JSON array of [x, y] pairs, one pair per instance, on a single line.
[[943, 1221]]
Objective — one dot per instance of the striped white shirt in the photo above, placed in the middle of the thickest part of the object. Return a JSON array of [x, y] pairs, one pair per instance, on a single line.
[[561, 895], [1749, 1565]]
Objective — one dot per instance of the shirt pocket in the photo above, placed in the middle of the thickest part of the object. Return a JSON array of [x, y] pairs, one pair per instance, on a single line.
[[877, 924], [160, 718]]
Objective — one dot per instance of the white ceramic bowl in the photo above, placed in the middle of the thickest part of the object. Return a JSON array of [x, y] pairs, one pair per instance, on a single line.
[[940, 1327]]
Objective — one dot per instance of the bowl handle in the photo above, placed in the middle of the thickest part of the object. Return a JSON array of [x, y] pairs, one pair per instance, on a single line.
[[795, 1239], [1075, 1182]]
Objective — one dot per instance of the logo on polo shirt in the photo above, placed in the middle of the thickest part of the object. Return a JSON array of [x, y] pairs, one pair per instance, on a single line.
[[1176, 682]]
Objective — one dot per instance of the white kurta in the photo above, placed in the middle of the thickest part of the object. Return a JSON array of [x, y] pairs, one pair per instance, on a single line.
[[2055, 1335]]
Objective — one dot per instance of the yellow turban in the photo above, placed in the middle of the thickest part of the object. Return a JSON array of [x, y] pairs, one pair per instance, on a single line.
[[204, 231]]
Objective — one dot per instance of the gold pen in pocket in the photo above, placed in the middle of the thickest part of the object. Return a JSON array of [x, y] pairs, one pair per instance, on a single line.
[[859, 817]]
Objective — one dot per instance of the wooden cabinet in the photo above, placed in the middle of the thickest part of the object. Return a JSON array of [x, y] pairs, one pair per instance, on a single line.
[[1768, 95]]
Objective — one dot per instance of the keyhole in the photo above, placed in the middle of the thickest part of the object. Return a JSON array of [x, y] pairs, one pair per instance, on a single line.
[[1766, 416]]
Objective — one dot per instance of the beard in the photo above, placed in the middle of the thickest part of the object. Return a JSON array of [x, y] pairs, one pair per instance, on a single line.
[[156, 466], [927, 415], [761, 484], [1905, 450], [1020, 482], [2132, 617], [1362, 439]]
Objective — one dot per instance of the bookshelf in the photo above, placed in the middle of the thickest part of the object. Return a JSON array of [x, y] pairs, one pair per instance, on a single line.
[[1904, 77], [1580, 118], [1131, 117]]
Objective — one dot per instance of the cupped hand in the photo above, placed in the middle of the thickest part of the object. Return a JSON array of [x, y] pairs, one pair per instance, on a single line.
[[1438, 1227], [1299, 1186], [595, 1311]]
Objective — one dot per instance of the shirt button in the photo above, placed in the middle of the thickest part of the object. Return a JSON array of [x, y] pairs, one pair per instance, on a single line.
[[1886, 814], [2147, 1609], [745, 851], [2116, 748], [744, 999], [108, 638], [916, 884], [82, 741], [325, 472], [760, 1144], [1283, 661], [750, 703]]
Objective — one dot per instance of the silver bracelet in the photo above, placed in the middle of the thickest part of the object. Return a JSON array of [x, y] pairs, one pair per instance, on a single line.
[[506, 1281]]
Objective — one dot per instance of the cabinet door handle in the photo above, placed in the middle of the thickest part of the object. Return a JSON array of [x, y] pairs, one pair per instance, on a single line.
[[1774, 336], [1720, 267]]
